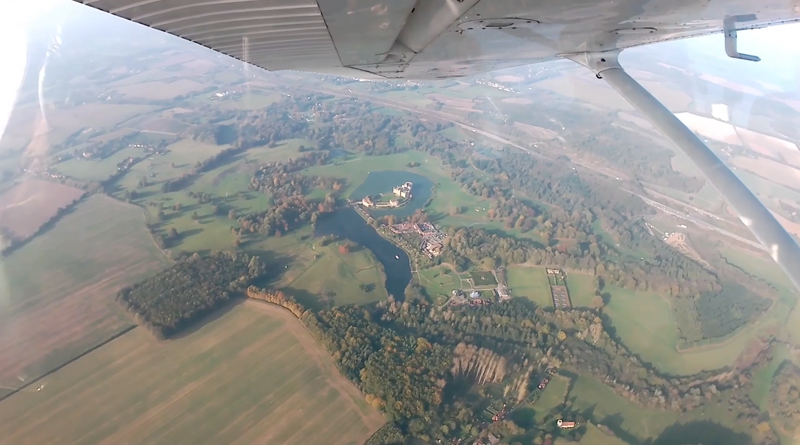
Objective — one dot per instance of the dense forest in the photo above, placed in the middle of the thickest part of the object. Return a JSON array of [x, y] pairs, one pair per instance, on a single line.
[[432, 370], [173, 299]]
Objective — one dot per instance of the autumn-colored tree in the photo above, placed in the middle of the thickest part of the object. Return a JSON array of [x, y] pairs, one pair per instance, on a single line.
[[597, 302], [344, 248]]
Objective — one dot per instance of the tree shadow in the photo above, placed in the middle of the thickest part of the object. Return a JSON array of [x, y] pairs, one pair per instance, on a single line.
[[188, 233], [214, 314], [703, 432], [306, 298]]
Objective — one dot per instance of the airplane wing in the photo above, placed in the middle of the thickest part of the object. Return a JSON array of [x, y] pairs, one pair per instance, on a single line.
[[426, 39]]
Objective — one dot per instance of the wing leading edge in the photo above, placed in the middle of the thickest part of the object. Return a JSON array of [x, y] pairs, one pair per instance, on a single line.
[[434, 38]]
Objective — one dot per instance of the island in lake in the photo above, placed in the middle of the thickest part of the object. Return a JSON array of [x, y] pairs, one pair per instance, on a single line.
[[402, 193]]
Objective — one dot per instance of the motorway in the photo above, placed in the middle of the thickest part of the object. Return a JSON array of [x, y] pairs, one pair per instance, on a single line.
[[697, 222]]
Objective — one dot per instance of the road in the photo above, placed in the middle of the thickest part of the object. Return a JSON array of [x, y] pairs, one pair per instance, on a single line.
[[697, 222], [455, 120]]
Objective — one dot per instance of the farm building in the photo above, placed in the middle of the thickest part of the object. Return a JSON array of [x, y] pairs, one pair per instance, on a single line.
[[566, 425]]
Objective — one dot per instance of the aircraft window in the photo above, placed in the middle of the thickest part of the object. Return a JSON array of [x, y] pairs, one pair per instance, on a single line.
[[197, 250]]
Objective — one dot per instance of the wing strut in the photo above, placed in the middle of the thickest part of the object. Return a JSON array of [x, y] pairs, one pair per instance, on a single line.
[[755, 216]]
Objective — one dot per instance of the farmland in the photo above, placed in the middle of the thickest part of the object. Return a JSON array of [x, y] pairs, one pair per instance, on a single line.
[[59, 287], [31, 203], [253, 375]]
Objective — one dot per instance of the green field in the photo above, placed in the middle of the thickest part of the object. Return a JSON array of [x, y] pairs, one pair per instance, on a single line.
[[552, 397], [211, 231], [253, 375], [439, 281], [762, 380], [593, 436], [328, 270], [92, 170], [635, 424], [581, 289], [312, 270], [482, 278], [530, 283], [58, 289]]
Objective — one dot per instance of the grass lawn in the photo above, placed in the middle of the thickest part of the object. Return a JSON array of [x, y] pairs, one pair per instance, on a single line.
[[553, 396], [635, 424], [581, 289], [93, 170], [646, 324], [328, 270], [310, 270], [252, 375], [593, 436], [439, 280], [531, 283], [483, 278]]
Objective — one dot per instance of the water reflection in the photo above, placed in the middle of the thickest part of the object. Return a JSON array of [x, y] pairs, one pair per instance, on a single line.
[[346, 223]]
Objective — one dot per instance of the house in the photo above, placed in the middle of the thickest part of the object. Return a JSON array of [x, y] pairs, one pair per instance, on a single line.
[[566, 425], [475, 294]]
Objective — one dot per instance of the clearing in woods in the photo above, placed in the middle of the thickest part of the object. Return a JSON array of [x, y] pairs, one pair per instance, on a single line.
[[251, 375], [59, 288], [31, 203]]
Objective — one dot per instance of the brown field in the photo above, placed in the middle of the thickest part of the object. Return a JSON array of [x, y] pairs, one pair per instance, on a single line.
[[770, 146], [644, 123], [199, 66], [770, 170], [252, 375], [57, 290], [31, 203], [672, 98], [710, 128], [790, 226], [730, 84], [161, 89]]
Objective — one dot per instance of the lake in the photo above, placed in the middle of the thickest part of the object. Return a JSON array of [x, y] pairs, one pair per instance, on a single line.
[[383, 182], [346, 223]]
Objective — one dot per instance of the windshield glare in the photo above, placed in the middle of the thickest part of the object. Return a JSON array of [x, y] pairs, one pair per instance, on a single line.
[[196, 250]]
